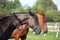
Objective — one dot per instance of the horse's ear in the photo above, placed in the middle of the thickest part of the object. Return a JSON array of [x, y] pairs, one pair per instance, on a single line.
[[14, 15], [32, 14]]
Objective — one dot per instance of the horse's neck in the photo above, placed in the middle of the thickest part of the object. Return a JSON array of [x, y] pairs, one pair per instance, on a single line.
[[4, 18], [6, 25]]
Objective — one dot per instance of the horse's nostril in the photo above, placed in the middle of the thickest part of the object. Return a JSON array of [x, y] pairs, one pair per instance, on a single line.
[[45, 32]]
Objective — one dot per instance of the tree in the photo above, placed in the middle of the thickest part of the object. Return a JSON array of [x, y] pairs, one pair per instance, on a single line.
[[2, 4], [43, 5], [52, 15], [9, 6], [17, 3]]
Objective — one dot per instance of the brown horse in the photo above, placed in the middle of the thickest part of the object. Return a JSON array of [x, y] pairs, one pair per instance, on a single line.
[[33, 21], [22, 33], [42, 22], [8, 24]]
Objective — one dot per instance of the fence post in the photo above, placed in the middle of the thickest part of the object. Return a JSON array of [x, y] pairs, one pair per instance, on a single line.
[[57, 29]]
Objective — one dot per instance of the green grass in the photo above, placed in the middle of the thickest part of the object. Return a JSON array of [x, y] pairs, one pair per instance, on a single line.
[[49, 36]]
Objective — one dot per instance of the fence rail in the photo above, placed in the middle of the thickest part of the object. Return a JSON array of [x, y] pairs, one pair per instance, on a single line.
[[53, 27]]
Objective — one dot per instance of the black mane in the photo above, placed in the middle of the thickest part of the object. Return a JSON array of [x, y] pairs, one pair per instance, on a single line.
[[4, 19]]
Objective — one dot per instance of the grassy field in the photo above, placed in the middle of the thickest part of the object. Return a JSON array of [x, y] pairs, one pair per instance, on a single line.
[[49, 36]]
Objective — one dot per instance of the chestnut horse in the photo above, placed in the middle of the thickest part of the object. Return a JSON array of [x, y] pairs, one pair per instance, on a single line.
[[42, 22], [22, 33]]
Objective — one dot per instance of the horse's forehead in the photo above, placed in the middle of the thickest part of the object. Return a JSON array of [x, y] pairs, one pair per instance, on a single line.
[[40, 15], [32, 19], [42, 20]]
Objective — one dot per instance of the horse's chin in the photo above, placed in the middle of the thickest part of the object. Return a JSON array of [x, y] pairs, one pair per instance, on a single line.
[[44, 32]]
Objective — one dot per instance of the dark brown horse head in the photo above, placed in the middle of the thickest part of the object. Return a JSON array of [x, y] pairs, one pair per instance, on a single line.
[[42, 22], [33, 22]]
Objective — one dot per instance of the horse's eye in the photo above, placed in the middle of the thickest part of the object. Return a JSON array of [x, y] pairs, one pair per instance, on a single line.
[[16, 21]]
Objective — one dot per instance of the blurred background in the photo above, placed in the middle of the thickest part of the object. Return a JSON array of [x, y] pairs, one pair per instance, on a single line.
[[51, 8]]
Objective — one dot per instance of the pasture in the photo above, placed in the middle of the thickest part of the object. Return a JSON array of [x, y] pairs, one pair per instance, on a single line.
[[49, 36]]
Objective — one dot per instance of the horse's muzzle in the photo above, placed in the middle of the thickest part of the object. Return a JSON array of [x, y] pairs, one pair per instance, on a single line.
[[45, 31]]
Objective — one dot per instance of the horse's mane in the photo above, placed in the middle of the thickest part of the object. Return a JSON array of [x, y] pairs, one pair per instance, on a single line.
[[37, 23], [4, 18], [42, 14]]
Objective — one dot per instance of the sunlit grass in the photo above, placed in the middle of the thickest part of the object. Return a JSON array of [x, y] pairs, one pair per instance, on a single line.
[[49, 36]]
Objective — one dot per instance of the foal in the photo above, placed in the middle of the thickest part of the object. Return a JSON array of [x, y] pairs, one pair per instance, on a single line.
[[21, 32]]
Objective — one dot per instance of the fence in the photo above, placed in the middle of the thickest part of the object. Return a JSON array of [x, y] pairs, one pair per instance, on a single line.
[[53, 27]]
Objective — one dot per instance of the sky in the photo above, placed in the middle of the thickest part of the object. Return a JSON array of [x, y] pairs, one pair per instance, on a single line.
[[57, 2], [32, 2], [28, 2]]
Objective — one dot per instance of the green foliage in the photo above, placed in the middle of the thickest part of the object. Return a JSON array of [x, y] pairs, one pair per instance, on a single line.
[[37, 9], [18, 9], [43, 5], [2, 3], [11, 6], [56, 16], [52, 16], [17, 3], [1, 10]]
